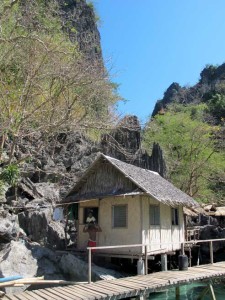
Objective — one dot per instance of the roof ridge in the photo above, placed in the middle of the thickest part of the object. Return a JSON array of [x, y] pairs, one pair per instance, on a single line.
[[120, 161]]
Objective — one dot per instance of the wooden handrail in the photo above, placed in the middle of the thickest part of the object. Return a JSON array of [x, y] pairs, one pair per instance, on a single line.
[[211, 241]]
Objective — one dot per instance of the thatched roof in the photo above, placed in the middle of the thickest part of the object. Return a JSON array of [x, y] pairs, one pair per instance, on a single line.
[[189, 212], [220, 211], [148, 182]]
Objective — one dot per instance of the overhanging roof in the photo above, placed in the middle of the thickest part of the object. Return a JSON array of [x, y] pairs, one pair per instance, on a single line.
[[147, 181]]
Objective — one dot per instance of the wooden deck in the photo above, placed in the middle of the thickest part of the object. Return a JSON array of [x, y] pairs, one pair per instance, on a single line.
[[127, 287]]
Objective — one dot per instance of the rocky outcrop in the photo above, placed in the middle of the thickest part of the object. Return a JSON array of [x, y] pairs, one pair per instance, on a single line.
[[55, 168], [47, 262], [21, 258], [76, 268], [52, 165], [124, 143], [80, 22], [17, 259], [39, 226], [211, 82], [9, 228]]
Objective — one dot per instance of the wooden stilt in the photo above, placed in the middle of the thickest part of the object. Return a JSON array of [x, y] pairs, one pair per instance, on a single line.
[[89, 265], [164, 262], [212, 292], [146, 259], [177, 293], [211, 251], [65, 230], [190, 257]]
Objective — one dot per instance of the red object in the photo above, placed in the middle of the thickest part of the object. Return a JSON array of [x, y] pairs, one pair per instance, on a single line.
[[92, 244]]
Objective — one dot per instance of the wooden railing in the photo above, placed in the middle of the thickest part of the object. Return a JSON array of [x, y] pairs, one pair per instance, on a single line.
[[146, 253], [211, 241]]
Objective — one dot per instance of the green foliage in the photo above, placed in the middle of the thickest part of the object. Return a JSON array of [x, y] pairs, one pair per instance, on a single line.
[[1, 187], [91, 4], [209, 71], [10, 175], [46, 84], [216, 106], [93, 8], [189, 147]]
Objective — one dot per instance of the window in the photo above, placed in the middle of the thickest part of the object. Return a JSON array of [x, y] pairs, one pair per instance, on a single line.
[[94, 211], [154, 214], [119, 216], [175, 216]]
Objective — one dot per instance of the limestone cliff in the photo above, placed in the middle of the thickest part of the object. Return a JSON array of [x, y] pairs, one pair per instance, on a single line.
[[80, 22], [212, 79]]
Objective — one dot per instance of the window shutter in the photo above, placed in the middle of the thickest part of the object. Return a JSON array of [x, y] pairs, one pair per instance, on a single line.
[[119, 216], [154, 214]]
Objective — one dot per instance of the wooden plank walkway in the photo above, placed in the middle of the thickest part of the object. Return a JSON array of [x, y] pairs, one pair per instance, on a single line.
[[126, 287]]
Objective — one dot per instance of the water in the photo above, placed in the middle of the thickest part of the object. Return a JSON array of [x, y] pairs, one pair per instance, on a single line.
[[189, 292]]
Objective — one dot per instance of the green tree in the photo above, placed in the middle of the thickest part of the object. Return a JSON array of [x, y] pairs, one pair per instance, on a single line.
[[189, 147], [46, 84], [216, 106]]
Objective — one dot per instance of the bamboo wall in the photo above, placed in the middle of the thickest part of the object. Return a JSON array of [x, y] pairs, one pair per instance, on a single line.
[[165, 233], [138, 230], [104, 180]]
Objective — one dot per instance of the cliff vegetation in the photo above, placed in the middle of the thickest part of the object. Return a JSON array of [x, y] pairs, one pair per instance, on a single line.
[[51, 80], [189, 125]]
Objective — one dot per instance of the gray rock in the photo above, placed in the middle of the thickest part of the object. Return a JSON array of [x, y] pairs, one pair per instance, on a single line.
[[16, 259], [77, 269], [56, 235], [124, 143], [35, 223], [9, 228], [47, 262], [49, 191], [39, 226]]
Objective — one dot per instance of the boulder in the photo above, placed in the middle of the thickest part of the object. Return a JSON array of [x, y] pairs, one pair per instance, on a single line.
[[47, 262], [56, 235], [40, 227], [17, 259], [35, 223], [77, 269]]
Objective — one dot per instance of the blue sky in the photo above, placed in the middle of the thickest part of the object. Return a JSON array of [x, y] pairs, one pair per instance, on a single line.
[[151, 43]]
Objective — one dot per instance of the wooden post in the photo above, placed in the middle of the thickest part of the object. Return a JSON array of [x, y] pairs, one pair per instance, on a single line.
[[89, 265], [146, 259], [211, 251], [177, 293], [140, 267], [164, 262], [190, 257], [212, 292], [66, 224], [182, 248]]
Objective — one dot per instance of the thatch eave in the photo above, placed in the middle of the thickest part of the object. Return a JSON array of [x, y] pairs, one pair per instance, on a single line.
[[184, 200], [72, 199], [148, 182]]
